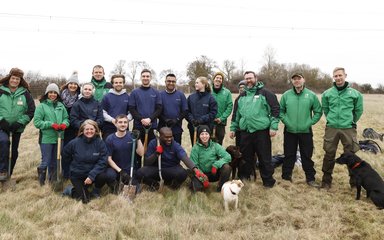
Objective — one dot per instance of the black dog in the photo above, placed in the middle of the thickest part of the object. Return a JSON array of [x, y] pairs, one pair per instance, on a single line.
[[237, 160], [365, 176]]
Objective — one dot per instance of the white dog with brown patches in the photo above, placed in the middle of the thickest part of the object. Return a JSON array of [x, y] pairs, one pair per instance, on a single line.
[[230, 192]]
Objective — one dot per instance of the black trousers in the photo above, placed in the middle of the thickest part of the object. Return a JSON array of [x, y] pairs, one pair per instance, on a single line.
[[219, 133], [258, 142], [81, 191], [173, 176], [305, 143]]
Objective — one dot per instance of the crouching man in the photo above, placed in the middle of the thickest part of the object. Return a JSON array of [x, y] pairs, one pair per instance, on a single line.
[[171, 153]]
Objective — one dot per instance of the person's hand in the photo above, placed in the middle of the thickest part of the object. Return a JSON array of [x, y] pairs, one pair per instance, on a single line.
[[136, 134], [170, 122], [195, 122], [202, 177], [87, 181], [63, 126], [272, 133], [232, 134], [159, 149], [55, 126], [214, 170], [124, 176], [217, 120], [4, 124], [15, 126]]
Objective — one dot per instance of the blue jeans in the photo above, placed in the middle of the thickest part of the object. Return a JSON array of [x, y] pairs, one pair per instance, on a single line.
[[4, 150], [48, 157]]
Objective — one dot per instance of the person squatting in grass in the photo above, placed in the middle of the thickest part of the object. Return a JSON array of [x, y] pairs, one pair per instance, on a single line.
[[87, 155], [120, 147], [202, 107], [211, 158], [257, 116], [86, 108], [171, 153], [69, 94], [223, 98], [342, 107], [299, 110], [16, 111], [175, 108], [51, 118], [115, 102]]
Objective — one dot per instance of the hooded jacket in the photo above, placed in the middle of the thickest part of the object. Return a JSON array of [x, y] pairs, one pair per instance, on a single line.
[[46, 114], [206, 157], [202, 107], [18, 106], [86, 108], [224, 103], [258, 109], [299, 111], [343, 108]]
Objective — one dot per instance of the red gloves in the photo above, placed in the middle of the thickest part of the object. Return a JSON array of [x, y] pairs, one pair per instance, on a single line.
[[55, 126], [214, 170], [63, 126], [202, 177], [159, 149]]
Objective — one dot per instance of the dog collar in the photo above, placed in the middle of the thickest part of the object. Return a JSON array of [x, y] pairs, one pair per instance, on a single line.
[[232, 191], [356, 165]]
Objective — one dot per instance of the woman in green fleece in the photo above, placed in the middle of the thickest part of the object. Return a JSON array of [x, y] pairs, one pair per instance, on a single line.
[[51, 118], [211, 158]]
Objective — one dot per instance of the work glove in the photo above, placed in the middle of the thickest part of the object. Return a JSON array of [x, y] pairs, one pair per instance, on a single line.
[[170, 122], [15, 126], [124, 176], [202, 177], [4, 125], [159, 149], [214, 170], [136, 134], [55, 126], [195, 122], [63, 126]]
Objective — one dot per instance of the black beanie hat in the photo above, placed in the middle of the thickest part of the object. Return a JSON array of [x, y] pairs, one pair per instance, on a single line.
[[203, 128]]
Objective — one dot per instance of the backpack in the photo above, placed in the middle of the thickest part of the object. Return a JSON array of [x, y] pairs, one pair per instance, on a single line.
[[369, 146], [372, 134]]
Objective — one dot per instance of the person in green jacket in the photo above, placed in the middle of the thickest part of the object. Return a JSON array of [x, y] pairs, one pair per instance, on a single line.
[[342, 107], [299, 110], [257, 117], [101, 85], [211, 158], [223, 98], [51, 117], [16, 111]]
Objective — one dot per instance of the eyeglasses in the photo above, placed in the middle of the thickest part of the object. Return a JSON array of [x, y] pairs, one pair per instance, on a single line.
[[170, 81]]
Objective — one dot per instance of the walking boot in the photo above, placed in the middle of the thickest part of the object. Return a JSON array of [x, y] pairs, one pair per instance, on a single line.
[[41, 173]]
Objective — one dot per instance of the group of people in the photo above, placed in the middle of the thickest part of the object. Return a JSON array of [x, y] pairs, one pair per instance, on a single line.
[[98, 147]]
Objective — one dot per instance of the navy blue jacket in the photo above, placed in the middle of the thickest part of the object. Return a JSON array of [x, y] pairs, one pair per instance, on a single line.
[[87, 157], [145, 102], [174, 107], [84, 109], [202, 107], [114, 104]]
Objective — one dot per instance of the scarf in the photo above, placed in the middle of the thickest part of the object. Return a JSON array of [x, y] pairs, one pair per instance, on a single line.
[[68, 99]]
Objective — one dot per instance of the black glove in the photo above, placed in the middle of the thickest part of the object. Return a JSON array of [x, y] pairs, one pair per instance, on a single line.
[[170, 122], [195, 122], [124, 176], [136, 134], [4, 125], [15, 126]]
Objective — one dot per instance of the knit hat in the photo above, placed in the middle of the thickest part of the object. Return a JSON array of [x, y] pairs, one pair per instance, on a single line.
[[203, 128], [242, 83], [73, 78], [52, 87], [219, 73]]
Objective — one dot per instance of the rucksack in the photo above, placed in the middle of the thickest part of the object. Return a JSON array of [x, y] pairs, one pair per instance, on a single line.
[[372, 134], [369, 146]]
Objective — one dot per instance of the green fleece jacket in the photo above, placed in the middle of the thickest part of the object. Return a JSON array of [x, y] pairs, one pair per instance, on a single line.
[[257, 109], [205, 157], [343, 108], [17, 106], [46, 114], [224, 103], [299, 111], [101, 88]]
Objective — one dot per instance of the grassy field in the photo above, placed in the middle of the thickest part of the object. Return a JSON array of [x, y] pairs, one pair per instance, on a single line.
[[287, 211]]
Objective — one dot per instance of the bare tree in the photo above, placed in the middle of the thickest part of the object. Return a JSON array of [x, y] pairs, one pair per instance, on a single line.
[[33, 76], [202, 66], [133, 68], [119, 68], [228, 69]]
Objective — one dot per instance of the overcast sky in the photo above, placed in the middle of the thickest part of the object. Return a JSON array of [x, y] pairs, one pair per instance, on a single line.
[[57, 37]]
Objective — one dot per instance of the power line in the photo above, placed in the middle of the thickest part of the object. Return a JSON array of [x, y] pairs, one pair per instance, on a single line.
[[191, 24]]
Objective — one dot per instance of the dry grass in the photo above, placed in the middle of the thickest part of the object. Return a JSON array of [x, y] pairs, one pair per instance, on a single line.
[[288, 211]]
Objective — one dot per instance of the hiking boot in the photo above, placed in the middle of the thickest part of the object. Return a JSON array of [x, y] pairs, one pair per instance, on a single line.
[[41, 174], [287, 178], [68, 191], [95, 192], [3, 176], [325, 185], [313, 184]]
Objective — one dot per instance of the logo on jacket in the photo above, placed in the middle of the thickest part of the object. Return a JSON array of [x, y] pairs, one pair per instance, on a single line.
[[96, 154]]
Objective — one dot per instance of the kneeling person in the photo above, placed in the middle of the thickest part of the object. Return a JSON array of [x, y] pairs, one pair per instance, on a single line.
[[171, 153]]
